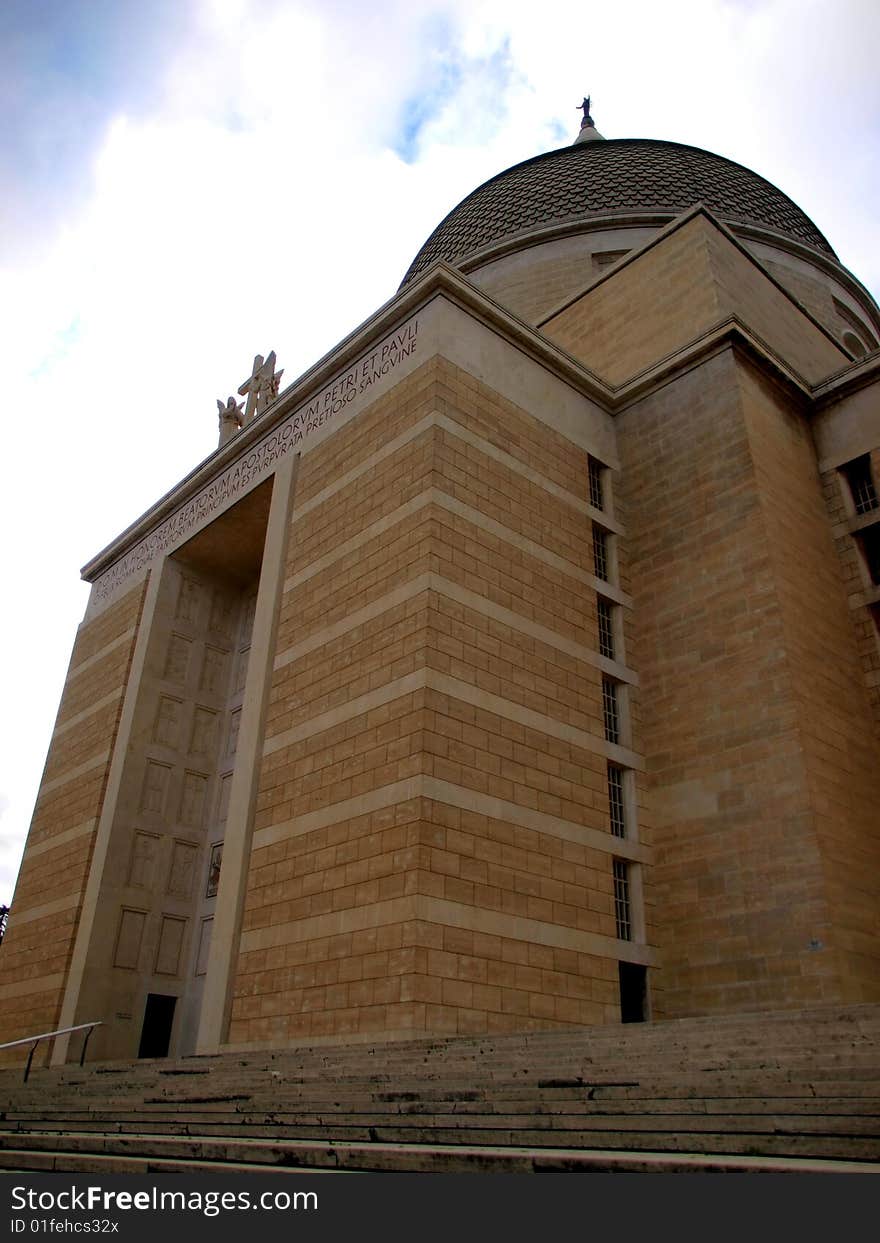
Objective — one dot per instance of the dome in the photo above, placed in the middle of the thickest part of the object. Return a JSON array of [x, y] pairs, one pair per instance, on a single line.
[[621, 177]]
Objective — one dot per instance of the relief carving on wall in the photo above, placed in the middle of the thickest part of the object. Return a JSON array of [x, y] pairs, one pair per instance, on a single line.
[[167, 724], [142, 864], [180, 875], [129, 937], [192, 799]]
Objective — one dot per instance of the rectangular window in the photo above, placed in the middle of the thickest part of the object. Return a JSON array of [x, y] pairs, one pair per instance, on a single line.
[[616, 809], [610, 711], [604, 258], [596, 471], [622, 910], [861, 484], [606, 628], [870, 541], [601, 559]]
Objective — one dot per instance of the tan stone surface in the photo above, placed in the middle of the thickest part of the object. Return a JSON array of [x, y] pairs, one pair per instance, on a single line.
[[355, 715], [665, 296], [535, 280], [37, 950], [751, 720], [834, 724], [401, 741]]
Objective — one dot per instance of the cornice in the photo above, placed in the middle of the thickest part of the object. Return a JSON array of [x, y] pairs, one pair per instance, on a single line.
[[730, 333], [444, 281], [848, 380], [441, 280]]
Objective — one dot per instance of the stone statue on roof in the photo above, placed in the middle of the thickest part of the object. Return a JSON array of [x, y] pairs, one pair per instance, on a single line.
[[231, 418]]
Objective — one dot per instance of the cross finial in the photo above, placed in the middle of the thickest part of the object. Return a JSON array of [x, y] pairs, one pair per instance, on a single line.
[[261, 386]]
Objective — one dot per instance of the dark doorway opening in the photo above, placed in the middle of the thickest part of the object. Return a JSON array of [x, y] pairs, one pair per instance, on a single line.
[[633, 992], [156, 1031]]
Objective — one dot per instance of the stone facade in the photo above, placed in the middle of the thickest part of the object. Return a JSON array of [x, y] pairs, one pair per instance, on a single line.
[[493, 678], [38, 947]]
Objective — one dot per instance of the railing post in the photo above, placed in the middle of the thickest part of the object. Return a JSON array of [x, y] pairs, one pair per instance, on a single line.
[[27, 1069], [62, 1031], [82, 1056]]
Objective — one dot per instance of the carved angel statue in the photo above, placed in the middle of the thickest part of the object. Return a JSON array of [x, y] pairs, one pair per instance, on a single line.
[[231, 418]]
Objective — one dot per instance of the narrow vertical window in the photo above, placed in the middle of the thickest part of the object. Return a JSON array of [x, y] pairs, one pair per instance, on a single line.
[[596, 494], [606, 628], [600, 553], [622, 910], [861, 484], [610, 711], [870, 541], [616, 809]]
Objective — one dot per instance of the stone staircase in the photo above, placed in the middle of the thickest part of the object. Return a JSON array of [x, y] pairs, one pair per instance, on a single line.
[[789, 1091]]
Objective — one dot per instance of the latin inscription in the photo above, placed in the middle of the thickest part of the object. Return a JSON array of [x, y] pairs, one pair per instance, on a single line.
[[241, 476]]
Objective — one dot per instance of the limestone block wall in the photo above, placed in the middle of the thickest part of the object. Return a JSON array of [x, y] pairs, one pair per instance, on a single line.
[[736, 890], [533, 281], [752, 721], [48, 896], [432, 848], [661, 299], [742, 289], [665, 296], [840, 749]]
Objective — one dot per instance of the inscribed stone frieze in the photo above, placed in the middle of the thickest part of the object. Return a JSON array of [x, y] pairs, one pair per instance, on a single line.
[[259, 461]]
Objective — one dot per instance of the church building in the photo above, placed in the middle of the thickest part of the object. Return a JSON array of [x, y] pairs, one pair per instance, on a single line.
[[518, 666]]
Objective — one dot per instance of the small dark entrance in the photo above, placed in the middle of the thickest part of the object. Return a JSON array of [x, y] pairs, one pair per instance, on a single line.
[[633, 992], [156, 1031]]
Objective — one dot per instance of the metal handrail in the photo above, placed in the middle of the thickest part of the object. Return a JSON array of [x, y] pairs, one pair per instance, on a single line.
[[62, 1031]]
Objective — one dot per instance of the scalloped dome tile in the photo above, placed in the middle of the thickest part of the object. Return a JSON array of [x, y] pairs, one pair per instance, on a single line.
[[601, 178]]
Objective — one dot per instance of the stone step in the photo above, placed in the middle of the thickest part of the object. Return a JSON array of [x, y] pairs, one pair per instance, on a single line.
[[548, 1103], [231, 1079], [787, 1028], [825, 1136], [147, 1154], [518, 1063], [776, 1086], [708, 1083]]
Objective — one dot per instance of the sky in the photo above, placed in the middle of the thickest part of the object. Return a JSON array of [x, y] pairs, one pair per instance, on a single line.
[[187, 183]]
